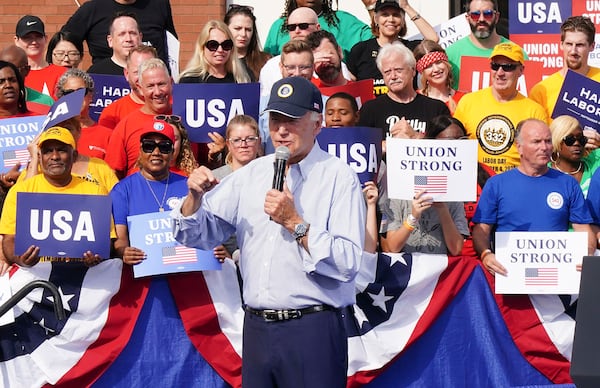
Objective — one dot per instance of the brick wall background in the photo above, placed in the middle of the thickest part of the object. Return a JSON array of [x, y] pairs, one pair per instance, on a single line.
[[189, 17]]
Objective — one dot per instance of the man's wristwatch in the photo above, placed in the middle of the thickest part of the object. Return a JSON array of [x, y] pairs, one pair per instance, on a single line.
[[300, 231]]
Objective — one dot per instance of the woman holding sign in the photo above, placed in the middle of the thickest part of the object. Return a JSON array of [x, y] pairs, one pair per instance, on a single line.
[[422, 225], [215, 60], [154, 188]]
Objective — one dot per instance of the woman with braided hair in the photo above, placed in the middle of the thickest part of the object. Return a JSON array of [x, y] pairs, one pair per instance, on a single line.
[[347, 28]]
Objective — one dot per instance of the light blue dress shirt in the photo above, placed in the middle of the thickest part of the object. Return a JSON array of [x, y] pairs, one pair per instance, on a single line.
[[277, 272]]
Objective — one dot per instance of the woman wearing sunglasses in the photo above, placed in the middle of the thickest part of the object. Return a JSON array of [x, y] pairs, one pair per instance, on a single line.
[[242, 24], [154, 188], [569, 154], [388, 26], [215, 58]]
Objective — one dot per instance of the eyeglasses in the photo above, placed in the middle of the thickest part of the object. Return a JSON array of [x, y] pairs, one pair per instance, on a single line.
[[70, 54], [302, 26], [241, 7], [508, 67], [249, 141], [164, 146], [213, 45], [570, 140], [488, 14], [300, 68], [171, 119], [69, 91]]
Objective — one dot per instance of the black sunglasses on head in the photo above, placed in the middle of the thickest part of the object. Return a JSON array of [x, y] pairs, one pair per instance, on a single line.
[[213, 45], [164, 146], [570, 140], [302, 26]]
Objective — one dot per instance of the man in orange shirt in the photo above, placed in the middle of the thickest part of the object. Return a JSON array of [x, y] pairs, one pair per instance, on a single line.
[[155, 83]]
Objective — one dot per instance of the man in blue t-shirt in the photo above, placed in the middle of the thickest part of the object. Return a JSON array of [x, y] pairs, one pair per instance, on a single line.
[[531, 197]]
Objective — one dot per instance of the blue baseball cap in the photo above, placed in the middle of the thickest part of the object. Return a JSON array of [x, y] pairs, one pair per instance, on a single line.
[[294, 96]]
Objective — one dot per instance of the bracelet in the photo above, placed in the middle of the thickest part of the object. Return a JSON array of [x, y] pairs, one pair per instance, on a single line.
[[485, 253], [408, 226], [416, 17], [371, 7]]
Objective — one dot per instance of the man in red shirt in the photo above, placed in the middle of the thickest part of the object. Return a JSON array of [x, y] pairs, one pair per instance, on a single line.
[[156, 85]]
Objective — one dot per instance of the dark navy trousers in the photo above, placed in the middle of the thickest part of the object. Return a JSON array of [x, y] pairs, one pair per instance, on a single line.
[[308, 352]]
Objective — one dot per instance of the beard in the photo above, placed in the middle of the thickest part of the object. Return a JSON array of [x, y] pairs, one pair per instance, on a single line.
[[482, 34], [328, 73]]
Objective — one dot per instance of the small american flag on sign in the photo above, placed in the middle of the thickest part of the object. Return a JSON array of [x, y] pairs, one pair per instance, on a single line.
[[433, 184], [12, 157], [541, 276], [179, 254]]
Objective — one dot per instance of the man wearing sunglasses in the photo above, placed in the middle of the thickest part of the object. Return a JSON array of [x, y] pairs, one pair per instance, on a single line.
[[301, 22], [156, 86], [577, 35], [491, 115], [299, 255], [483, 17]]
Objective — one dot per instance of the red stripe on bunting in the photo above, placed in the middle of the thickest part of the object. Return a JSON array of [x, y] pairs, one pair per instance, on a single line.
[[201, 323], [530, 335], [449, 284], [123, 313]]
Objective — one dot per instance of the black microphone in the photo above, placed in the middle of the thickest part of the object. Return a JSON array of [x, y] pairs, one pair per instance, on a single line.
[[282, 153]]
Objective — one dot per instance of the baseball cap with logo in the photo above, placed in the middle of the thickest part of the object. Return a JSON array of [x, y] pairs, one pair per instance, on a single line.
[[158, 126], [57, 133], [30, 23], [294, 96], [509, 50], [381, 4]]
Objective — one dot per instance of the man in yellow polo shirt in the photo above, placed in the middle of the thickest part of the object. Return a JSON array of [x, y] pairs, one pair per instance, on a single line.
[[57, 152], [491, 115]]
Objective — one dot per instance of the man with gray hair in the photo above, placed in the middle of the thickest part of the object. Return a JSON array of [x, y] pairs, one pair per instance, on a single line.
[[401, 111], [299, 255], [156, 85]]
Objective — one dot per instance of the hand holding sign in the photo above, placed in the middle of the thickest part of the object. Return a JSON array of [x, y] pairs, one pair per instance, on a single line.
[[133, 255]]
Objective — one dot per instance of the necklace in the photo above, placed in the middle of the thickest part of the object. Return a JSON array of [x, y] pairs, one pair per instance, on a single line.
[[569, 172], [161, 203]]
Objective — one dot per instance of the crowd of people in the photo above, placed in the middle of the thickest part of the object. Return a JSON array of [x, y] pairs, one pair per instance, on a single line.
[[298, 248]]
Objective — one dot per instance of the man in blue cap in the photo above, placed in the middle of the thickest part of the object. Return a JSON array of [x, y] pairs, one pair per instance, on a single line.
[[299, 253]]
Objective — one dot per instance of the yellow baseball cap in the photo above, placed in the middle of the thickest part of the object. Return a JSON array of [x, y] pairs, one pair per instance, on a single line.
[[57, 133], [509, 50]]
